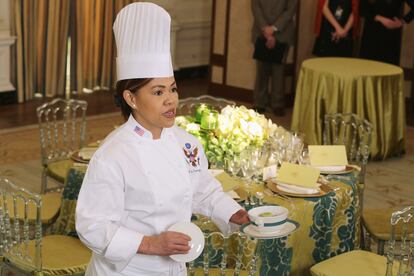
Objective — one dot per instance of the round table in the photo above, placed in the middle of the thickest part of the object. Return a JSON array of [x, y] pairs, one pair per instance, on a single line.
[[373, 90]]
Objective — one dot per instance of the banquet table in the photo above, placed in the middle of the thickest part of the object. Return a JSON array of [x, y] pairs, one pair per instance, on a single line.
[[370, 89], [328, 225]]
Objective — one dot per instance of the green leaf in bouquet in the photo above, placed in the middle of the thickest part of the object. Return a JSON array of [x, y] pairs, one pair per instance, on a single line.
[[190, 119]]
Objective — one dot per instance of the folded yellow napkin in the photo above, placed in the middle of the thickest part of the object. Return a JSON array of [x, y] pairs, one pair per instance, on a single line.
[[229, 183], [298, 175], [327, 155]]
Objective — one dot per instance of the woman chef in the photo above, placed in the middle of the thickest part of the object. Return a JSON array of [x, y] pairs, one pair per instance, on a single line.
[[141, 180]]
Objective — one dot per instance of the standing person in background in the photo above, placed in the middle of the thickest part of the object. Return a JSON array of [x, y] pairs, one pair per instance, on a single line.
[[381, 39], [336, 26], [126, 206], [272, 33]]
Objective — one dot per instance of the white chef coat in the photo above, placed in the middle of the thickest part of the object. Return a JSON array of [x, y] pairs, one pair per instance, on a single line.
[[137, 186]]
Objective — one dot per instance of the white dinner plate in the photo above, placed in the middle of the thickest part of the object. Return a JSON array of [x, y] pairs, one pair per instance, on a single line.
[[289, 227], [196, 244]]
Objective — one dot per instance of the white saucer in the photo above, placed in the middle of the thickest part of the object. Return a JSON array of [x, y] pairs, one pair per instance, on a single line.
[[287, 229], [196, 243]]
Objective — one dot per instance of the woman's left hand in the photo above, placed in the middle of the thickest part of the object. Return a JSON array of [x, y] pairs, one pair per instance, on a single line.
[[240, 217]]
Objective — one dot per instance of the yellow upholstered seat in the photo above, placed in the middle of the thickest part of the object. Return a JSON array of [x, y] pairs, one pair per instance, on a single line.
[[23, 248], [61, 255], [365, 263], [59, 169], [377, 223], [377, 227], [49, 212], [353, 263]]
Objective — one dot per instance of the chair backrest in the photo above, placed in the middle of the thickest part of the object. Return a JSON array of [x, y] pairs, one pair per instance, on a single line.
[[235, 252], [188, 106], [349, 130], [405, 249], [353, 132], [16, 227], [62, 128]]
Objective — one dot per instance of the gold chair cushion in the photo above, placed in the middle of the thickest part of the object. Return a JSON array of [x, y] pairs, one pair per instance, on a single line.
[[353, 263], [59, 169], [378, 223], [216, 272], [50, 208], [61, 255]]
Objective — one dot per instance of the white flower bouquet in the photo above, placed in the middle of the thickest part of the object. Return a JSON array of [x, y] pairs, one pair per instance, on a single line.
[[237, 128]]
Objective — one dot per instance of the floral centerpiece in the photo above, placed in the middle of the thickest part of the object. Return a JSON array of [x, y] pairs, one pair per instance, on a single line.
[[238, 128]]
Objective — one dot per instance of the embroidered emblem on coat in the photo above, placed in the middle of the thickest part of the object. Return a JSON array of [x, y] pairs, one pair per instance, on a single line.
[[192, 155]]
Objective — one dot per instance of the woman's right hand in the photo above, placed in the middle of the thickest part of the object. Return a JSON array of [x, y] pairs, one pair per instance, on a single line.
[[165, 244]]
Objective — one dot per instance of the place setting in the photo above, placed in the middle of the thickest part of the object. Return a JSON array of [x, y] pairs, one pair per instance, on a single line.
[[329, 159], [295, 180], [269, 222]]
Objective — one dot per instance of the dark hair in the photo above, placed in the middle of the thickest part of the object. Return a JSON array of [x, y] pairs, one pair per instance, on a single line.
[[132, 85]]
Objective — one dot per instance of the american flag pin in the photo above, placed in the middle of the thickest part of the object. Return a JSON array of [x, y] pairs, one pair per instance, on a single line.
[[139, 131]]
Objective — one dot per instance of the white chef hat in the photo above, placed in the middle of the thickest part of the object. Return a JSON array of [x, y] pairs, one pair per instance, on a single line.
[[142, 35]]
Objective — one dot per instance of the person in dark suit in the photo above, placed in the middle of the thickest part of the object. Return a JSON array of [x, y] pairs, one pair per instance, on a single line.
[[381, 39], [272, 33]]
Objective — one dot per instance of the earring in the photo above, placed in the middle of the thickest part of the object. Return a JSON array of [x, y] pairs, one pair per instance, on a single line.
[[134, 106]]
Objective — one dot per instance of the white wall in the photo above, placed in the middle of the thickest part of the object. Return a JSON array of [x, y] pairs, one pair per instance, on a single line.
[[191, 31]]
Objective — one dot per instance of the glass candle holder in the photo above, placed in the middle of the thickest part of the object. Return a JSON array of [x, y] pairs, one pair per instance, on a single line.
[[209, 120], [199, 111]]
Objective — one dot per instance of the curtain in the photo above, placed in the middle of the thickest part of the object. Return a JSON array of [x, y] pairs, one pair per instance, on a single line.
[[41, 28], [93, 43]]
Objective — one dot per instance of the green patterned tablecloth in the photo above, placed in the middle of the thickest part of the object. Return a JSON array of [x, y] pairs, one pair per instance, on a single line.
[[329, 225]]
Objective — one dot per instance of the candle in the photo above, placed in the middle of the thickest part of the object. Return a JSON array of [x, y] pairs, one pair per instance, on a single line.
[[209, 120]]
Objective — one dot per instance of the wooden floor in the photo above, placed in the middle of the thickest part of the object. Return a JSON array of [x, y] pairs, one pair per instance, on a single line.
[[98, 102], [102, 102]]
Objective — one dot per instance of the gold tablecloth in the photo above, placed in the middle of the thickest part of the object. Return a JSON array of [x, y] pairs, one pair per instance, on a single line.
[[373, 90]]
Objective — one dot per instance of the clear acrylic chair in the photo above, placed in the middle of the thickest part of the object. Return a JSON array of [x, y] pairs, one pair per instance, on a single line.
[[399, 258], [62, 128], [355, 133], [234, 254], [23, 248], [187, 106]]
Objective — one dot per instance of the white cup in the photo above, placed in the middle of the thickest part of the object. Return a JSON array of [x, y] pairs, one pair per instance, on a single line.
[[268, 218]]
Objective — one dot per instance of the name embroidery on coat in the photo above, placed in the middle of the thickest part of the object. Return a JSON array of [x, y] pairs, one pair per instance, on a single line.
[[191, 154]]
